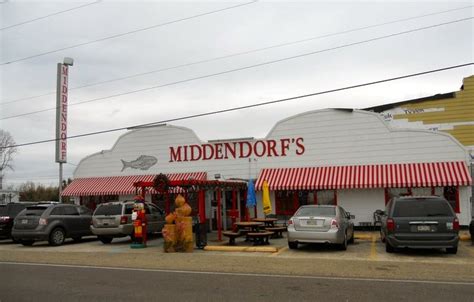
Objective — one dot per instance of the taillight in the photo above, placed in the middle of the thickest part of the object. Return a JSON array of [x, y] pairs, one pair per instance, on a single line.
[[390, 224], [334, 224], [123, 220], [456, 224], [5, 219], [290, 221], [43, 221]]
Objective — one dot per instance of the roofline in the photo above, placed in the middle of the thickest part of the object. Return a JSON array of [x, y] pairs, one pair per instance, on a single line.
[[439, 96]]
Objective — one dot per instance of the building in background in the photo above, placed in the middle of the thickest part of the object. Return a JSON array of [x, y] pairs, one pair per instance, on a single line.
[[451, 113]]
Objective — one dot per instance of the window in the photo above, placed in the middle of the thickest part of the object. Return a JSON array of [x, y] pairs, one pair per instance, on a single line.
[[326, 197], [421, 208], [286, 202], [109, 209], [84, 211], [70, 211], [452, 196], [317, 211], [57, 211]]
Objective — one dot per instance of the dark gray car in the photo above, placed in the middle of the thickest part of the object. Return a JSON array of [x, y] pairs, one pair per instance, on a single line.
[[420, 222], [52, 222]]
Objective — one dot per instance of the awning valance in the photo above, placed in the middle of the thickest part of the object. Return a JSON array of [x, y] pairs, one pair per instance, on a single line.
[[119, 185], [367, 176]]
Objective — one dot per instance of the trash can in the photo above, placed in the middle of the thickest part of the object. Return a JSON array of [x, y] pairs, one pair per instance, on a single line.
[[200, 231]]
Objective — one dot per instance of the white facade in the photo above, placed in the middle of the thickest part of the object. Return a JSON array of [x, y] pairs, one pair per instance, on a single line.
[[327, 137]]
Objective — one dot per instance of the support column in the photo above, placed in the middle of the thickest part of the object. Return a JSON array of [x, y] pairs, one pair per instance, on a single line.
[[219, 217]]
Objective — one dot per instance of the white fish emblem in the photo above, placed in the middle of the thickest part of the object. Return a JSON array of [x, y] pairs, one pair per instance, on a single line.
[[144, 162]]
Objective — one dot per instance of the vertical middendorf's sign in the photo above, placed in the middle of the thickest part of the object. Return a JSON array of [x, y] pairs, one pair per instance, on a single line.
[[61, 114]]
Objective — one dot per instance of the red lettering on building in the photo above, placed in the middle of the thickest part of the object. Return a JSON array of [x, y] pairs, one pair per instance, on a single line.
[[175, 155], [235, 150]]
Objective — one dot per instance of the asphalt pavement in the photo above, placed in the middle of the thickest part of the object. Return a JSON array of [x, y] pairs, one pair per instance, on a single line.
[[32, 282], [90, 270]]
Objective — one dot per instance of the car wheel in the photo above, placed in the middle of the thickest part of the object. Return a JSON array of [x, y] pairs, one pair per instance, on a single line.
[[293, 245], [57, 236], [388, 247], [27, 242], [105, 240], [77, 239], [351, 241], [452, 250], [343, 245]]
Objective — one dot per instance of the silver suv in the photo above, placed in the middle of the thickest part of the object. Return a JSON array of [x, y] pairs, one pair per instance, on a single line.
[[114, 219], [420, 222]]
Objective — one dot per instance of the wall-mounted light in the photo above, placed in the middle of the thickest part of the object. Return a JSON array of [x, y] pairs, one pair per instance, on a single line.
[[217, 175]]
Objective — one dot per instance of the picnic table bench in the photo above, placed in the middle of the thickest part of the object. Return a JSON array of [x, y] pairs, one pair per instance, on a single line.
[[259, 238], [232, 236], [277, 231]]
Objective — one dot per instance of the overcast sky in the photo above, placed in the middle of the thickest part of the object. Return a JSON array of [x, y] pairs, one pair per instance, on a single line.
[[199, 35]]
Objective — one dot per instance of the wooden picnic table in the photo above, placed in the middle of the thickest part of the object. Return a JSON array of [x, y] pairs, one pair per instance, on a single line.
[[269, 222], [253, 225]]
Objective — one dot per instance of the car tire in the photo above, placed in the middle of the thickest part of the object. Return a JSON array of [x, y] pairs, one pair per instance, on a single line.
[[105, 240], [351, 241], [452, 250], [293, 245], [27, 242], [388, 247], [57, 237], [343, 245]]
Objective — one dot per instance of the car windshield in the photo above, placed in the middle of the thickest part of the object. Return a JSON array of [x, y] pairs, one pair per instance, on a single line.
[[317, 211], [422, 208], [34, 211], [109, 209]]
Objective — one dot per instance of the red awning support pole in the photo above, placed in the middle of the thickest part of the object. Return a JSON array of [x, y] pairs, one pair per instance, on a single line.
[[219, 218], [202, 206]]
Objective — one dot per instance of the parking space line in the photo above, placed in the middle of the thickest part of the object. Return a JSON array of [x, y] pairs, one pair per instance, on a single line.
[[373, 248]]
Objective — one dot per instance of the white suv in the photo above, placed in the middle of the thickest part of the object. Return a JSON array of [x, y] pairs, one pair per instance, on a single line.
[[114, 219]]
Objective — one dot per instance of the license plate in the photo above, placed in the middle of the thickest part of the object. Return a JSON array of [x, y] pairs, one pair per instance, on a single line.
[[423, 228], [24, 221], [316, 222]]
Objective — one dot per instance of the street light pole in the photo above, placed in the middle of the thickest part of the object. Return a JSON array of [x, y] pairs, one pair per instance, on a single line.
[[61, 117]]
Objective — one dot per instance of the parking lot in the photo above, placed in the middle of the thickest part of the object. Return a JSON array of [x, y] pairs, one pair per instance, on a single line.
[[367, 247]]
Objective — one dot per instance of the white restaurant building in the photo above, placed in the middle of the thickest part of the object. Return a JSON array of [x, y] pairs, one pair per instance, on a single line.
[[334, 156]]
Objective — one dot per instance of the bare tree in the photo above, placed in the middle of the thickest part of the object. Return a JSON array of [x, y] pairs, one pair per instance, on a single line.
[[7, 150]]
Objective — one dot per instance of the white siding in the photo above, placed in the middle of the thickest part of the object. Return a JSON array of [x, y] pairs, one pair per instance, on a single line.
[[331, 137], [361, 203]]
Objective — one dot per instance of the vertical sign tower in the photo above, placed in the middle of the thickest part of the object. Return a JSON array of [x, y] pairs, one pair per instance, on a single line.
[[61, 117]]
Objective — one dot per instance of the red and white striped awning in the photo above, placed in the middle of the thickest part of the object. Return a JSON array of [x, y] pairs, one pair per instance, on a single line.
[[366, 176], [119, 185]]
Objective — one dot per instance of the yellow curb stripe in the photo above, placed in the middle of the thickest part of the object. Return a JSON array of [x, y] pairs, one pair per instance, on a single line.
[[373, 248], [265, 249], [362, 237], [279, 251]]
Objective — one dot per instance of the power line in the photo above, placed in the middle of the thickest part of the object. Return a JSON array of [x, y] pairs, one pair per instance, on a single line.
[[50, 15], [240, 53], [249, 106], [127, 33], [238, 69]]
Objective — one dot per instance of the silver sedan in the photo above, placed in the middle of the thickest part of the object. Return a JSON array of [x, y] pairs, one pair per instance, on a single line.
[[321, 224]]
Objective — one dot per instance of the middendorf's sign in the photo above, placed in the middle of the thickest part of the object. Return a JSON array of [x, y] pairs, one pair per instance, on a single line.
[[61, 114], [239, 149]]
